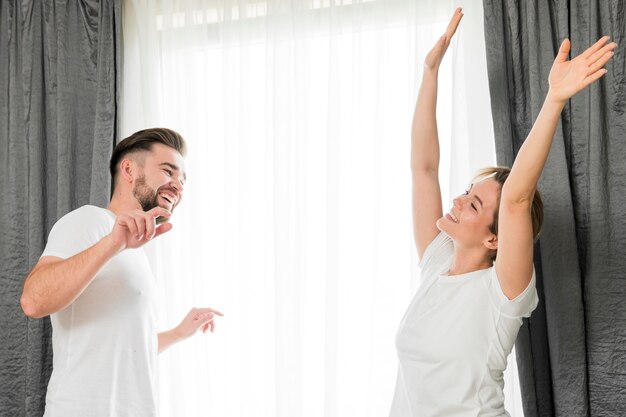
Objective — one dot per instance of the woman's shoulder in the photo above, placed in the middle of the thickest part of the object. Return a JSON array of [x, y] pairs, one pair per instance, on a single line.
[[440, 250], [520, 306]]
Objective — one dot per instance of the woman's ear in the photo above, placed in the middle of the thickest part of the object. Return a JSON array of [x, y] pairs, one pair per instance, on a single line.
[[491, 242]]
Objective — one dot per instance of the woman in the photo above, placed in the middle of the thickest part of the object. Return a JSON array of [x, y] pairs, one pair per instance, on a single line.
[[476, 261]]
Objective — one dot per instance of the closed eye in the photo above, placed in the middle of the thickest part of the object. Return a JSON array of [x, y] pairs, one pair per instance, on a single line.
[[168, 171], [474, 207]]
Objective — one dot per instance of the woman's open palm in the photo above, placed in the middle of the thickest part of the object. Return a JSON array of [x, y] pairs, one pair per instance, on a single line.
[[569, 77], [435, 56]]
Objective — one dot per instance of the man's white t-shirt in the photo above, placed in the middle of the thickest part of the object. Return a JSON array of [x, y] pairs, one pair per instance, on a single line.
[[454, 340], [105, 343]]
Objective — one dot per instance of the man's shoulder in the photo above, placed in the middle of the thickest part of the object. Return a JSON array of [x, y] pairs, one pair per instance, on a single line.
[[88, 213], [78, 230], [84, 219]]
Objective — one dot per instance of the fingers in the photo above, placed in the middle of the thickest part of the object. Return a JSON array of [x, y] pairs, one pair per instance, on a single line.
[[207, 321], [150, 226], [563, 51], [434, 57], [129, 223], [601, 57], [595, 76], [595, 47], [204, 318], [199, 313], [162, 228], [159, 212], [141, 225], [600, 62], [454, 23], [140, 221], [210, 310], [210, 326], [601, 52]]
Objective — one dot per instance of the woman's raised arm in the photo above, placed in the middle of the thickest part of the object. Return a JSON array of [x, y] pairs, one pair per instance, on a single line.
[[514, 262], [425, 145]]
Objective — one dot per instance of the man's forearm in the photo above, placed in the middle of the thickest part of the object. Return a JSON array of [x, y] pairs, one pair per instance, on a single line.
[[168, 338], [53, 286]]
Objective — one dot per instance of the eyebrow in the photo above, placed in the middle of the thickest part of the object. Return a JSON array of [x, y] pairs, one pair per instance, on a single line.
[[174, 167], [479, 200]]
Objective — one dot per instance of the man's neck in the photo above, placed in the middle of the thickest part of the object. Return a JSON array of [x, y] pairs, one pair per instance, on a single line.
[[119, 204]]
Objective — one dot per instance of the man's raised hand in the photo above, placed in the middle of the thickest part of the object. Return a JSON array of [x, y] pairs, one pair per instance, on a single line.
[[135, 228]]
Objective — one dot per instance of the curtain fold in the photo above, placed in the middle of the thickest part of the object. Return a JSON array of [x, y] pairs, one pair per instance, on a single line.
[[570, 352], [59, 64]]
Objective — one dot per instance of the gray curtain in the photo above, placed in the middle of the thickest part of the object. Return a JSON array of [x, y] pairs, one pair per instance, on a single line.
[[59, 86], [572, 351]]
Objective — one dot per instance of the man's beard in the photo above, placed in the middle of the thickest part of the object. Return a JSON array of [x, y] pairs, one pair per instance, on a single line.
[[147, 197]]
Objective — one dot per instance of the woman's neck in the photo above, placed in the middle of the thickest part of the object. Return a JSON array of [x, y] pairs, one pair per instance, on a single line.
[[469, 260]]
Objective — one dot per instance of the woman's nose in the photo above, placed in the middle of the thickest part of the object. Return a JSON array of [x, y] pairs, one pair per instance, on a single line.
[[460, 201]]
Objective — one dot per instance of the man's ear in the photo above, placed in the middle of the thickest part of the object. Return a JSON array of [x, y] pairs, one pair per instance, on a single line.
[[127, 170], [491, 242]]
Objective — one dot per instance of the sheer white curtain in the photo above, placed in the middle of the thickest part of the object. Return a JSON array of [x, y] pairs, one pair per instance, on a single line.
[[296, 216]]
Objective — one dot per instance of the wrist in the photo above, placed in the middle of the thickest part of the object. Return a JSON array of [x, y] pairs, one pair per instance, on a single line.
[[553, 100], [111, 246], [176, 334], [431, 70]]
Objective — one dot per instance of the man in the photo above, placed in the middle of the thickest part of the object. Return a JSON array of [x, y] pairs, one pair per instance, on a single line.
[[94, 281]]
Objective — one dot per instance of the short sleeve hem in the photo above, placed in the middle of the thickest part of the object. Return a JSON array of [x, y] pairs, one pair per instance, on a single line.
[[77, 231], [55, 254], [520, 306], [434, 247]]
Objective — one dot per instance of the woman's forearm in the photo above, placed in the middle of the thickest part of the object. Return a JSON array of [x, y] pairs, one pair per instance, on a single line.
[[531, 158], [424, 135], [566, 79]]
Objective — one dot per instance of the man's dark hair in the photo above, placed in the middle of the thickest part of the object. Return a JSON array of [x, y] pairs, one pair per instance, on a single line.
[[143, 141]]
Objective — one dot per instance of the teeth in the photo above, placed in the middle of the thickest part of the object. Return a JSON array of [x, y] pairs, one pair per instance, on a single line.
[[166, 197], [456, 220]]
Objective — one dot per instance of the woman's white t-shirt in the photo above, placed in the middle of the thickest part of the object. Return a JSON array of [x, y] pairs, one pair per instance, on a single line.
[[454, 340]]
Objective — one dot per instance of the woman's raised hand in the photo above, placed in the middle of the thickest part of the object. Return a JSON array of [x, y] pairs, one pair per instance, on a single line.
[[569, 77], [434, 57]]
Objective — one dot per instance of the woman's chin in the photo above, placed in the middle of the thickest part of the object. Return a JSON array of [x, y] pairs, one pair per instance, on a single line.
[[446, 226], [441, 224]]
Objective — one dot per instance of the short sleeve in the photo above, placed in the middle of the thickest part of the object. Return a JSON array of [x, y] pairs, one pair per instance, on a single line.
[[77, 231], [437, 253], [522, 305]]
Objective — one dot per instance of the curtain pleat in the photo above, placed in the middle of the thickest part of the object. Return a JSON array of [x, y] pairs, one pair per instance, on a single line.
[[570, 352], [59, 84]]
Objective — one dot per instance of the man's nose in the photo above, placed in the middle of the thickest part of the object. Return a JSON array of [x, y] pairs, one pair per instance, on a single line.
[[177, 184]]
